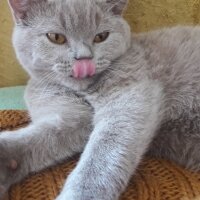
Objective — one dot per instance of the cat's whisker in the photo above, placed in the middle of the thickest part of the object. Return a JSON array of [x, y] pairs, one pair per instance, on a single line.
[[42, 80], [117, 72], [45, 83], [48, 81]]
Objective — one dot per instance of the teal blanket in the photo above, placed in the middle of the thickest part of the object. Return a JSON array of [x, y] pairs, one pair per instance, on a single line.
[[12, 98]]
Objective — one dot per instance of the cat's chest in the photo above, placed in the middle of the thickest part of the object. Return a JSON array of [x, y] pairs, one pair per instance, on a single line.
[[108, 89], [101, 97], [95, 99]]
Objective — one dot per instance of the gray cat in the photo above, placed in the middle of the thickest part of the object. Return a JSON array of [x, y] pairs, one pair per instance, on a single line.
[[96, 88]]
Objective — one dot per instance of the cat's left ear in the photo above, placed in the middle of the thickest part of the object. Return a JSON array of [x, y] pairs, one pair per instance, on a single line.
[[115, 6], [19, 8]]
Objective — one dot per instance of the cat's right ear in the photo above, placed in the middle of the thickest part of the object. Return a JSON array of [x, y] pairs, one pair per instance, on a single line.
[[19, 8], [116, 7]]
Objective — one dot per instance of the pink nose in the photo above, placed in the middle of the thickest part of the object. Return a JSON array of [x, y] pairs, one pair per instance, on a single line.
[[83, 68]]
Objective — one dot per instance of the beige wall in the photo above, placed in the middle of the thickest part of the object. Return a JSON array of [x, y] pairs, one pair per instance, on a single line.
[[146, 15], [10, 71], [142, 15]]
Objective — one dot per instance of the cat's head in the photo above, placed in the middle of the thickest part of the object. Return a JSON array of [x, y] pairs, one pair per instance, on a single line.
[[69, 41]]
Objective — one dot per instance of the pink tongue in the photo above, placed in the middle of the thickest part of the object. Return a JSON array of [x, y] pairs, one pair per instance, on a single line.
[[83, 68]]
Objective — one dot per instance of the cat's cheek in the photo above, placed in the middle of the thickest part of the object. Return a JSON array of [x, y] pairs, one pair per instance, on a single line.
[[102, 65], [39, 62], [62, 69]]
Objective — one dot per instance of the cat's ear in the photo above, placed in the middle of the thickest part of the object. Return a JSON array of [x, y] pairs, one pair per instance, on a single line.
[[19, 8], [115, 6]]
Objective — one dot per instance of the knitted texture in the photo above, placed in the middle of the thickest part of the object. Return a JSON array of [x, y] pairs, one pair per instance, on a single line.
[[154, 180]]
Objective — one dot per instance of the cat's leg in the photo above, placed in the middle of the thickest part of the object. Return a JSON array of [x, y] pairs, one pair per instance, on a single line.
[[58, 133], [124, 127]]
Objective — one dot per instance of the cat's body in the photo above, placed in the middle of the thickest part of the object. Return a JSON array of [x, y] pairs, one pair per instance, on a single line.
[[143, 98]]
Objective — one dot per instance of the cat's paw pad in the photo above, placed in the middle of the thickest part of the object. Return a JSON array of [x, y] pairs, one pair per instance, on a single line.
[[12, 164], [9, 169]]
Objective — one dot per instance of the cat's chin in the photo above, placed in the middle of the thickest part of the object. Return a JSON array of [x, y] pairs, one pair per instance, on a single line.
[[78, 84]]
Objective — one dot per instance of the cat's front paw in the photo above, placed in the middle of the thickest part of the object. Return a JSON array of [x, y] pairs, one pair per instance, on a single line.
[[84, 194], [76, 194], [9, 166], [80, 191], [85, 186]]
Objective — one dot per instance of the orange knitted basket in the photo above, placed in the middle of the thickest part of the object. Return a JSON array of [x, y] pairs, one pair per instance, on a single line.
[[154, 180]]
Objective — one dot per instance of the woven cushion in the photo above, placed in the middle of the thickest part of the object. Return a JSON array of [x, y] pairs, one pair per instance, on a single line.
[[154, 179]]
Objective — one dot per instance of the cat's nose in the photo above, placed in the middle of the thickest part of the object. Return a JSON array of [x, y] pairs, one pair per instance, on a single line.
[[83, 57], [83, 52]]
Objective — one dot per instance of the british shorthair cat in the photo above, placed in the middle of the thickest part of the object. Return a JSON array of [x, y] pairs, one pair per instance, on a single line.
[[99, 90]]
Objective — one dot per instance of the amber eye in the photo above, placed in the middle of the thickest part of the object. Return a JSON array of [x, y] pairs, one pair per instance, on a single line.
[[56, 38], [101, 37]]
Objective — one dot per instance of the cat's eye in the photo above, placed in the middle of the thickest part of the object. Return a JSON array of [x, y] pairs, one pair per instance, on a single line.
[[56, 38], [101, 37]]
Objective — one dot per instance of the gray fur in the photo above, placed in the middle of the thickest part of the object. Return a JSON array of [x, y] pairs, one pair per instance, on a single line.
[[144, 98]]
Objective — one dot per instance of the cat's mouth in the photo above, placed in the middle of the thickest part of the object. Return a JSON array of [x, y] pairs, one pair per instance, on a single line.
[[84, 68]]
